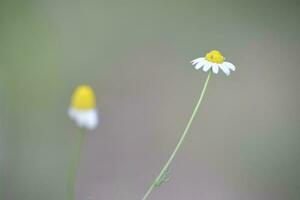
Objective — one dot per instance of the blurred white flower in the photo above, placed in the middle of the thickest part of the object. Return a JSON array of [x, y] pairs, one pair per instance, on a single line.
[[83, 107], [213, 60]]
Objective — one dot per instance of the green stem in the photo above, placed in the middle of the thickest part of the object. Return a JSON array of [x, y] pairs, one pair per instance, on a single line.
[[165, 168], [74, 164]]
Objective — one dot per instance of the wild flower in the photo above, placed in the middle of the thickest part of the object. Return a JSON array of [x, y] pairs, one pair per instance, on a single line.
[[83, 107], [212, 62], [83, 111]]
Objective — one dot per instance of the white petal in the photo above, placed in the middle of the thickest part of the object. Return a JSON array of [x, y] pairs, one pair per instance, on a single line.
[[230, 65], [84, 118], [91, 120], [207, 66], [225, 69], [199, 65], [197, 60], [215, 68]]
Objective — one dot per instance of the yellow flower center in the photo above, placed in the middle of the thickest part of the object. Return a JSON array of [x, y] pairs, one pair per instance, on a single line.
[[83, 98], [215, 57]]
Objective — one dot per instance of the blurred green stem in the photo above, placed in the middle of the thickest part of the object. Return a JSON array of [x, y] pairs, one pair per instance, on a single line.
[[164, 170], [74, 164]]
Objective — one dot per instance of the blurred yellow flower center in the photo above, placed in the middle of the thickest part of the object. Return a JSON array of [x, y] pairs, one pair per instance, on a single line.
[[83, 98], [215, 57]]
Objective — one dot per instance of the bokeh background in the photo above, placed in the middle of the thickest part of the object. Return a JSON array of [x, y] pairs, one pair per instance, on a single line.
[[244, 144]]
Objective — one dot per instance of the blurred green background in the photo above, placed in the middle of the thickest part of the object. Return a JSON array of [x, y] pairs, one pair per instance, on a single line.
[[244, 144]]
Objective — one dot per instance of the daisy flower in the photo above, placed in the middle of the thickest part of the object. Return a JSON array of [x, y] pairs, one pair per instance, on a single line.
[[211, 63], [83, 107], [213, 60]]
